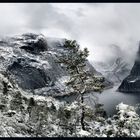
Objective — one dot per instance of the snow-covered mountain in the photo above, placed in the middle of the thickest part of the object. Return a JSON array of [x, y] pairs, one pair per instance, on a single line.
[[30, 60], [115, 70], [132, 82]]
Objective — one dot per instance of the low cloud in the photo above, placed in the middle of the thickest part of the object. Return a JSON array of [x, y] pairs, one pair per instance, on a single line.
[[96, 26]]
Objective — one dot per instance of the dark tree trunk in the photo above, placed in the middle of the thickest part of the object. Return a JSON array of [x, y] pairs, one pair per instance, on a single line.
[[5, 88], [83, 113]]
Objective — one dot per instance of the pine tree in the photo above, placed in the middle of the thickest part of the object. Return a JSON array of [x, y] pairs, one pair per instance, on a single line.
[[81, 80]]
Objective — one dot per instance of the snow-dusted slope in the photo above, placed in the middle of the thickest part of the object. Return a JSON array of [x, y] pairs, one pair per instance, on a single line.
[[31, 60], [115, 71], [25, 115]]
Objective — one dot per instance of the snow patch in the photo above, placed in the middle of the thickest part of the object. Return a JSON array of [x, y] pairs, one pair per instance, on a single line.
[[83, 133]]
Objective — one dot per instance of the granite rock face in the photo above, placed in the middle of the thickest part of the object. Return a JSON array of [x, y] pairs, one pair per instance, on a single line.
[[131, 84]]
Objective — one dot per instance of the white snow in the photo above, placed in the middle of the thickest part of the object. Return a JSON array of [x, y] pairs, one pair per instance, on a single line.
[[122, 106], [138, 133], [132, 81], [63, 79], [72, 106], [83, 133]]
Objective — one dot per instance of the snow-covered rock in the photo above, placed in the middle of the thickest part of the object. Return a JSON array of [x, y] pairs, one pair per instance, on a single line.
[[83, 133], [31, 61]]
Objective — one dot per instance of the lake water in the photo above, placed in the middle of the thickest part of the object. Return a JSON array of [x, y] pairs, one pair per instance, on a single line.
[[110, 98]]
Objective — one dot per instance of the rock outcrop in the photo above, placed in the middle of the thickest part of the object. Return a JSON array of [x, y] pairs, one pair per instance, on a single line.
[[131, 84]]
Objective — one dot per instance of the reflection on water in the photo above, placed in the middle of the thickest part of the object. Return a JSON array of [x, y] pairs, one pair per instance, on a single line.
[[110, 98]]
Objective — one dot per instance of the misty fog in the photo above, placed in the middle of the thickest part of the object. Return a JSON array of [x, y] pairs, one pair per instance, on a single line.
[[108, 30]]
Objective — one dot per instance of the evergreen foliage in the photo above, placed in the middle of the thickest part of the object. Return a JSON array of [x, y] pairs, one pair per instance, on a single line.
[[81, 80]]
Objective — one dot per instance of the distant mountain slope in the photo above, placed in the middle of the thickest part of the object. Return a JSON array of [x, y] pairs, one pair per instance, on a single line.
[[132, 82], [116, 67], [30, 60], [115, 71]]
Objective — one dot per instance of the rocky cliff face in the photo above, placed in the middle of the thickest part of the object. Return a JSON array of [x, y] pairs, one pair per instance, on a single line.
[[131, 84], [30, 60], [116, 71]]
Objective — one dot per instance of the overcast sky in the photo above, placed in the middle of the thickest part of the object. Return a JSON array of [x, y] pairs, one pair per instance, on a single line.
[[95, 26]]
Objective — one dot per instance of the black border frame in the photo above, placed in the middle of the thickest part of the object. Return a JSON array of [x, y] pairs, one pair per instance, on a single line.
[[68, 1]]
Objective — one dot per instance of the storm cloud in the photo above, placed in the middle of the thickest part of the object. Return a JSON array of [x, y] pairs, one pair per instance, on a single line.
[[107, 30]]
